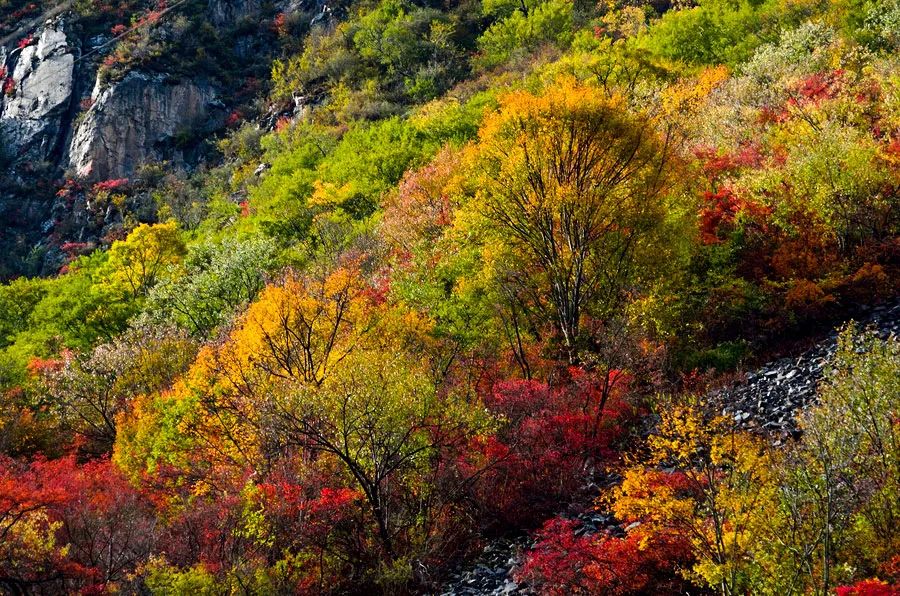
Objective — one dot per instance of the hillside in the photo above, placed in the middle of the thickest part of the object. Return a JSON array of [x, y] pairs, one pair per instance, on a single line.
[[469, 296]]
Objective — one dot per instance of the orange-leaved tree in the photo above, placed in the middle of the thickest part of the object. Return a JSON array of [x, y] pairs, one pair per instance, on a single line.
[[323, 376]]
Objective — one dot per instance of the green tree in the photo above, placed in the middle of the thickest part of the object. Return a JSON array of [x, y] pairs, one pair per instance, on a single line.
[[550, 21], [369, 160], [18, 299], [841, 493], [217, 279]]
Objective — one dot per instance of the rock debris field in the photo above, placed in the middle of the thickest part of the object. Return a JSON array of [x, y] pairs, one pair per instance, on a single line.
[[770, 397], [767, 399]]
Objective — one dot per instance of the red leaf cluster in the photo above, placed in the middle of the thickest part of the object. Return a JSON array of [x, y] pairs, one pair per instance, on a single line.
[[234, 118], [868, 587], [821, 86], [720, 213], [110, 185], [563, 563], [716, 163], [105, 525], [551, 433]]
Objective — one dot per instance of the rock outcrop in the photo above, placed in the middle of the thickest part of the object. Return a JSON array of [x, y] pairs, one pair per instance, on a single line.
[[138, 120], [491, 573], [33, 123], [224, 13]]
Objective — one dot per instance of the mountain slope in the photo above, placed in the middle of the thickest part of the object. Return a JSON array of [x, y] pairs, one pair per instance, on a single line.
[[311, 297]]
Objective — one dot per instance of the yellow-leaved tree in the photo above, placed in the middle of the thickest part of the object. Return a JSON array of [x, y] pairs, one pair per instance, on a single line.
[[705, 480], [136, 262], [573, 183], [292, 334], [322, 374]]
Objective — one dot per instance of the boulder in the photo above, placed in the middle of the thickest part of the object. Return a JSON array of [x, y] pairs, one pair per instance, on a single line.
[[138, 120], [33, 121]]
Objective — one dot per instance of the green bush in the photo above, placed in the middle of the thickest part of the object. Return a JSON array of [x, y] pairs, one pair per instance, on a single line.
[[546, 22]]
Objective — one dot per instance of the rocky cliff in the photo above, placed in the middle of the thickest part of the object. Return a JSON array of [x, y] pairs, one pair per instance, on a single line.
[[228, 12], [39, 89], [166, 97], [138, 120]]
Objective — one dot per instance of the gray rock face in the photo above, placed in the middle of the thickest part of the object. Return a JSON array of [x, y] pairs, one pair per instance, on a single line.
[[135, 121], [33, 119], [223, 13], [293, 6]]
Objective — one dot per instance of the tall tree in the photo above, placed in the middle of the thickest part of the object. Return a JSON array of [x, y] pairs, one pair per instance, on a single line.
[[573, 182]]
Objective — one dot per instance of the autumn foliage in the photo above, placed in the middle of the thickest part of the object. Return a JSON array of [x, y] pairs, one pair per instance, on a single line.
[[564, 561], [471, 272], [548, 438], [68, 526]]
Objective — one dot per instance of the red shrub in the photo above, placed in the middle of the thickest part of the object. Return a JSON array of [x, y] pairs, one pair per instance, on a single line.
[[68, 188], [721, 211], [893, 148], [234, 118], [891, 568], [37, 366], [868, 587], [22, 12], [105, 525], [562, 563], [108, 525], [717, 164], [821, 86], [304, 514], [110, 185], [537, 460], [714, 163], [749, 156], [279, 24], [283, 123]]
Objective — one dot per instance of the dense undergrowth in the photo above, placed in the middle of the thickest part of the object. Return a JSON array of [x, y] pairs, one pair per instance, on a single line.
[[496, 240]]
